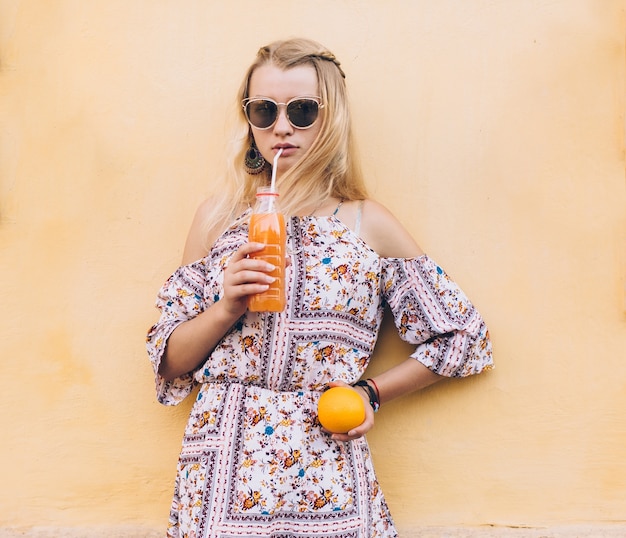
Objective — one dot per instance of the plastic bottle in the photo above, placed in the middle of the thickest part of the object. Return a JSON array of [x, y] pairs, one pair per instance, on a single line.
[[267, 226]]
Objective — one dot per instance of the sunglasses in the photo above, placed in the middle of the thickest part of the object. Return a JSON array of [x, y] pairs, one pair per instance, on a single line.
[[262, 112]]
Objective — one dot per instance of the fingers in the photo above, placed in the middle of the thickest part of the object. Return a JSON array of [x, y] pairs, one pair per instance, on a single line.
[[338, 384], [256, 274], [245, 250], [245, 275], [360, 430], [354, 433], [245, 269]]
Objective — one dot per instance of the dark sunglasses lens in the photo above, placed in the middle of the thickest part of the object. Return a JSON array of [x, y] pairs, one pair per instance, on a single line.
[[261, 113], [302, 112]]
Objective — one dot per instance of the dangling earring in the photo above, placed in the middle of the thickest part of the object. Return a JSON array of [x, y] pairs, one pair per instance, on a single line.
[[254, 161]]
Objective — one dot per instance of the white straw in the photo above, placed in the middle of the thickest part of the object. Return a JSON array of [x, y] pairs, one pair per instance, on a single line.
[[273, 184]]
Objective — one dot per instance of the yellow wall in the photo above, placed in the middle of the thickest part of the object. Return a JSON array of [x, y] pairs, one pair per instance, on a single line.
[[494, 130]]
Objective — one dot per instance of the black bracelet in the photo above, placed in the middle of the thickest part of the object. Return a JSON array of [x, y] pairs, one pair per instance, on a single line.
[[374, 402]]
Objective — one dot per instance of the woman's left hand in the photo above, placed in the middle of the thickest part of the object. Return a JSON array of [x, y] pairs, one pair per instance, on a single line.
[[365, 426]]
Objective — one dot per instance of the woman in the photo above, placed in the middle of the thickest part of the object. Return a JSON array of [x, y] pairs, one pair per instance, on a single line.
[[255, 460]]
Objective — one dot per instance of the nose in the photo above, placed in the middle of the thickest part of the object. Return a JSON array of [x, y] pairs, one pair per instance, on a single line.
[[282, 125]]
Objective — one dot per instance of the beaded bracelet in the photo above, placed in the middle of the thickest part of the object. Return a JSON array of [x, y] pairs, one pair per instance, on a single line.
[[374, 401]]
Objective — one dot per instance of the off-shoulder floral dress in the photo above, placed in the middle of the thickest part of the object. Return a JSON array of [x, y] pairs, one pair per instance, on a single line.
[[254, 461]]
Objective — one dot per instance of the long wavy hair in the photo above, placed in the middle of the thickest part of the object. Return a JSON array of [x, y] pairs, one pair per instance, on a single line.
[[330, 167]]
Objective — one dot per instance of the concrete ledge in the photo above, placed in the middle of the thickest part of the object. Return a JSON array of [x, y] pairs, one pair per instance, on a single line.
[[487, 531]]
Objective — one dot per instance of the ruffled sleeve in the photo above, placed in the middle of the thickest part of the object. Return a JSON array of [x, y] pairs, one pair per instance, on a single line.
[[431, 311], [180, 299]]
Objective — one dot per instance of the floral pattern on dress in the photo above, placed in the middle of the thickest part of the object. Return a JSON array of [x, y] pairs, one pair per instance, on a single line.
[[254, 459]]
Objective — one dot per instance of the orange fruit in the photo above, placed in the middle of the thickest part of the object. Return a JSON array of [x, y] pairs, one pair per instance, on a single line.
[[340, 409]]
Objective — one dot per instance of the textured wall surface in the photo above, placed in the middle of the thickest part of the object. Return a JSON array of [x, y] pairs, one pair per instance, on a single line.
[[493, 129]]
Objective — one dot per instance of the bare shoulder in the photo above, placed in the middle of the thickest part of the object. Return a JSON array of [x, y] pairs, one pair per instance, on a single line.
[[201, 234], [384, 233]]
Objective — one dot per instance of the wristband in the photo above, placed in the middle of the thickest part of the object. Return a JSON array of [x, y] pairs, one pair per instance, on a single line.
[[374, 401], [375, 388]]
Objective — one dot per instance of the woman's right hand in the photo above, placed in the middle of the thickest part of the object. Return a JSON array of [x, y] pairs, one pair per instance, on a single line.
[[191, 342], [245, 276]]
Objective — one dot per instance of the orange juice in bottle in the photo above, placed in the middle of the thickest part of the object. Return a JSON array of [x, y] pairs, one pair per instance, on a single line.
[[267, 226]]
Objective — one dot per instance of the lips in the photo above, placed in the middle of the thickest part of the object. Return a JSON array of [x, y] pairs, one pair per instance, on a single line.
[[288, 149]]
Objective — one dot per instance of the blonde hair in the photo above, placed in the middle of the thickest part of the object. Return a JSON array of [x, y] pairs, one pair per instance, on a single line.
[[330, 167]]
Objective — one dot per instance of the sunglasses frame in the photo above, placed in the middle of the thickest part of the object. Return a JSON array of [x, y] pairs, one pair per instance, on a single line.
[[248, 100]]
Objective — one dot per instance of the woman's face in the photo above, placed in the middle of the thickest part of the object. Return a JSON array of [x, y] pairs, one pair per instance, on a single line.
[[282, 86]]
